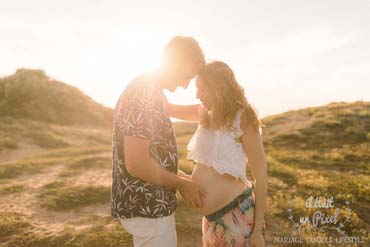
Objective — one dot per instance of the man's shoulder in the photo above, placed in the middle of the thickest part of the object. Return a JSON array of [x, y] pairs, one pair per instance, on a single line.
[[140, 86], [142, 82], [132, 88], [141, 91]]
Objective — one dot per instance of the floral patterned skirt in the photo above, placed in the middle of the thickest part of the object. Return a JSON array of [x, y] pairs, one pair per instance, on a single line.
[[232, 225]]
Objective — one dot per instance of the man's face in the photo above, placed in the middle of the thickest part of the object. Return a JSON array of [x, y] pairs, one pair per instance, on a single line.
[[181, 77]]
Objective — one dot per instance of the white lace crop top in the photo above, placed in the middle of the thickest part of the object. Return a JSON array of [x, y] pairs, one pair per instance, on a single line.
[[221, 149]]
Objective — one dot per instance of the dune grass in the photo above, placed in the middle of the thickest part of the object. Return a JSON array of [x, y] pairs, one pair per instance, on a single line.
[[34, 95], [75, 151], [346, 159], [335, 163], [8, 140], [11, 189], [28, 166], [91, 162], [60, 196], [77, 166], [8, 143], [96, 231], [46, 139], [12, 223], [14, 169], [74, 156], [287, 174], [99, 138]]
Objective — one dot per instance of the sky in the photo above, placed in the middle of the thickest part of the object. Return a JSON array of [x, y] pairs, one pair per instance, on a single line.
[[286, 54]]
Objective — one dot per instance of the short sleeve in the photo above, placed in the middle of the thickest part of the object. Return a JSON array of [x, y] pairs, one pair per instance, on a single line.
[[238, 132], [137, 114]]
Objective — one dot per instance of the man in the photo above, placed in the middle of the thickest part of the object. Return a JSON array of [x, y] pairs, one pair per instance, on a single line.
[[145, 158]]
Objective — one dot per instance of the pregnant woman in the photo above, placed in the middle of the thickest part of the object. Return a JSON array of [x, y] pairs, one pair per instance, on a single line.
[[227, 139]]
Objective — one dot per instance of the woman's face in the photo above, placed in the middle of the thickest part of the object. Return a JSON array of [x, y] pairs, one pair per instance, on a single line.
[[203, 94]]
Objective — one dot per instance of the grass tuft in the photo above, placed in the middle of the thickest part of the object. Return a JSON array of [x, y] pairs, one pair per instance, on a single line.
[[58, 196]]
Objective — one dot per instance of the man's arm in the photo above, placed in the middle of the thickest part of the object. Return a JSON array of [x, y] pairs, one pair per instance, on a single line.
[[184, 112], [140, 164]]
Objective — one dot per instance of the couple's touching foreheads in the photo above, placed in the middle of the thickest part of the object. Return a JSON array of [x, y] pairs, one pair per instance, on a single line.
[[227, 142]]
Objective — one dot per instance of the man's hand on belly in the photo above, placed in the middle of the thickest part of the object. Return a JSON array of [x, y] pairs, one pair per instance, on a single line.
[[192, 193], [182, 174]]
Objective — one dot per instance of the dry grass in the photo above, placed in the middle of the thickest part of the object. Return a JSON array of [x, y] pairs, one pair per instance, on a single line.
[[66, 193], [59, 196]]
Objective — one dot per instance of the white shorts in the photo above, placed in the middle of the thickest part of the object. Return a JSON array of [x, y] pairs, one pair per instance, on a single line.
[[148, 232]]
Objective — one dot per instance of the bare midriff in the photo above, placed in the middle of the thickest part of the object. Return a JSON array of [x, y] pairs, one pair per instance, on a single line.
[[220, 189]]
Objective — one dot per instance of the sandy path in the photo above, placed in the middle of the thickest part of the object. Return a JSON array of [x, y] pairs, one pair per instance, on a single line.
[[26, 202]]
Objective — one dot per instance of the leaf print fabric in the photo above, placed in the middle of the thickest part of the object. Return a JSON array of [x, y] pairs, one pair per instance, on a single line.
[[141, 112]]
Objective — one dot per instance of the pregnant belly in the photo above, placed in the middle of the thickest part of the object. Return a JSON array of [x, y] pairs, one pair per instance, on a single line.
[[220, 189]]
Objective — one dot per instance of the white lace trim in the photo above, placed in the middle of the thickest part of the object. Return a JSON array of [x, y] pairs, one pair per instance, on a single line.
[[220, 149]]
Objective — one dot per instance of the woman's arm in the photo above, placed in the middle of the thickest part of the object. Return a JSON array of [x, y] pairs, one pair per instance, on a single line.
[[184, 112], [253, 146]]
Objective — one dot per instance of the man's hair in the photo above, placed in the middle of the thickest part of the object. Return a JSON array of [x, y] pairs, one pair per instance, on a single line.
[[185, 51]]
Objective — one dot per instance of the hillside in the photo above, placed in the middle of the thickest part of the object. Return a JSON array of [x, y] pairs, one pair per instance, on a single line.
[[329, 126], [315, 151], [320, 151], [38, 113], [31, 94], [55, 171]]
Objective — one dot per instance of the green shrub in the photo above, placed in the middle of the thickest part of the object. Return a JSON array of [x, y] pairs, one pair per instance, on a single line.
[[14, 169], [56, 196], [12, 223], [46, 139], [13, 189], [8, 143]]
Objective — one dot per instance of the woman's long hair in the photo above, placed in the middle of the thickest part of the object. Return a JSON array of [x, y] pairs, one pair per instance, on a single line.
[[226, 98]]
